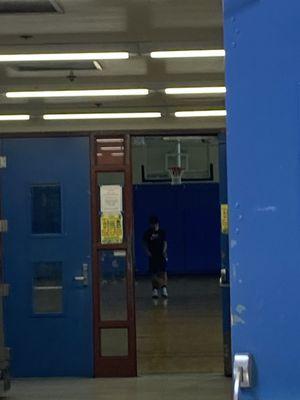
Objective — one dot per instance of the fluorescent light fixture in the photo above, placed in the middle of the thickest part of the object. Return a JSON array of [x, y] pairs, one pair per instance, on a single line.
[[21, 117], [97, 65], [196, 90], [187, 54], [117, 154], [78, 93], [137, 115], [110, 140], [122, 55], [208, 113], [114, 148]]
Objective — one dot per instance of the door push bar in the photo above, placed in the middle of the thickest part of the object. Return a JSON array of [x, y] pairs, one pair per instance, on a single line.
[[224, 278], [84, 278], [242, 373]]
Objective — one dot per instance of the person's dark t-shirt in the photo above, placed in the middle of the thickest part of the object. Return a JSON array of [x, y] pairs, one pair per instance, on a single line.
[[155, 244], [155, 241]]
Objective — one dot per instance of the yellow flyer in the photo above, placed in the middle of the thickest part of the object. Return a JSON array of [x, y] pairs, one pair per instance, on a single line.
[[224, 218], [111, 228]]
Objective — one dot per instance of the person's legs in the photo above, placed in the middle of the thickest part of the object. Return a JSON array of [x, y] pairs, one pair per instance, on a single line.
[[163, 283], [159, 277], [155, 286], [155, 281]]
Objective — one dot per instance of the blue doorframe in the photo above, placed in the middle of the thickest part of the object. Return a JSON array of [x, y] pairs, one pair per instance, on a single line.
[[263, 76], [225, 271], [46, 200]]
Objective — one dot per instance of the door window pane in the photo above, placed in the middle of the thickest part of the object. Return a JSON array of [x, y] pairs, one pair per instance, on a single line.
[[46, 209], [110, 151], [114, 342], [47, 287], [111, 187], [113, 292]]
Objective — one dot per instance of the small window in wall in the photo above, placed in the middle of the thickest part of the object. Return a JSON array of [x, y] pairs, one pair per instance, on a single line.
[[46, 209], [47, 287]]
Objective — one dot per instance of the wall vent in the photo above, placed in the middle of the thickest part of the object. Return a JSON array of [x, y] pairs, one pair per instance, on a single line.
[[29, 6]]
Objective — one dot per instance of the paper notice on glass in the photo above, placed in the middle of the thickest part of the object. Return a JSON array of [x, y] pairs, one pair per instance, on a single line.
[[111, 199], [111, 229], [224, 218]]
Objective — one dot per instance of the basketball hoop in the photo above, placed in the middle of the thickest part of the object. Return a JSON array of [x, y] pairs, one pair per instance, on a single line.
[[176, 174]]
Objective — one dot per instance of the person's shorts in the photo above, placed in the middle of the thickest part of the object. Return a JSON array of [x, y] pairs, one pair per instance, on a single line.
[[157, 265]]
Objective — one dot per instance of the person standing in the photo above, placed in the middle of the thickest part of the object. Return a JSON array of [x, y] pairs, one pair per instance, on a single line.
[[155, 245]]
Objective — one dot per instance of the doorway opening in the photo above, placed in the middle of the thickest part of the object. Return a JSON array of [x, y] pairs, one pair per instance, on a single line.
[[186, 331]]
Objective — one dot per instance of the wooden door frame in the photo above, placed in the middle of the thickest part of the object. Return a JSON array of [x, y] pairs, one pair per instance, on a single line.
[[113, 366]]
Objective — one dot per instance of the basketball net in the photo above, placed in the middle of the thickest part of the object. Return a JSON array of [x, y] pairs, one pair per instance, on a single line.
[[176, 173]]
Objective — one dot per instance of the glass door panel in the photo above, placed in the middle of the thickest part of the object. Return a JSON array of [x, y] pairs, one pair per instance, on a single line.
[[113, 285]]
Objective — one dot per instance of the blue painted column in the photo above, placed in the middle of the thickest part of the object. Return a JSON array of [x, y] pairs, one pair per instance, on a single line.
[[263, 129]]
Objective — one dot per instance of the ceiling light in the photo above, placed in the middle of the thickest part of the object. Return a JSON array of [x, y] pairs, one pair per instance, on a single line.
[[97, 65], [196, 90], [23, 117], [187, 53], [114, 148], [78, 93], [63, 57], [208, 113], [102, 116], [117, 154], [110, 140]]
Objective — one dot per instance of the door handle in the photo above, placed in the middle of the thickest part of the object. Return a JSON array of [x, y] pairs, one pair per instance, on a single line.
[[224, 281], [84, 278], [242, 373]]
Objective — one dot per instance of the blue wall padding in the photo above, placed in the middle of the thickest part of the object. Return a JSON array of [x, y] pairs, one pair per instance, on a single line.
[[190, 215]]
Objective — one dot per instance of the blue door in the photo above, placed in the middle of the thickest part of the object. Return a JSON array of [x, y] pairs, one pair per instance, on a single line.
[[46, 200]]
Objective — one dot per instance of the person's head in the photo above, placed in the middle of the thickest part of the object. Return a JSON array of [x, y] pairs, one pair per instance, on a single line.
[[154, 222]]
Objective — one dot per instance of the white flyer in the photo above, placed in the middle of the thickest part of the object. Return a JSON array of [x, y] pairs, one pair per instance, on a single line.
[[111, 200]]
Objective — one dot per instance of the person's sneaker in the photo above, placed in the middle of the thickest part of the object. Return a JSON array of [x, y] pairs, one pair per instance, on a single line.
[[154, 294], [164, 292]]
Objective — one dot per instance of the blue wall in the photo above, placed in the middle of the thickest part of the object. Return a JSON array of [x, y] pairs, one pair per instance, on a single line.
[[263, 76], [190, 214]]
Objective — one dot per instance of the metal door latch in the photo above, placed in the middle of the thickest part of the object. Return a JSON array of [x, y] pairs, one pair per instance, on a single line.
[[3, 162], [84, 278], [224, 280], [3, 225], [242, 373]]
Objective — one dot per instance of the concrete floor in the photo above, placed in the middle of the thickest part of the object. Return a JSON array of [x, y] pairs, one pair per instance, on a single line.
[[183, 335], [162, 387]]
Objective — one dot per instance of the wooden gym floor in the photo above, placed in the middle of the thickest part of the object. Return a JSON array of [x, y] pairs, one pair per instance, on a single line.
[[151, 387], [184, 334]]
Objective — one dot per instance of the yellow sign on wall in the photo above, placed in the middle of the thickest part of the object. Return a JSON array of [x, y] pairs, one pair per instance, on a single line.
[[111, 228], [224, 218]]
